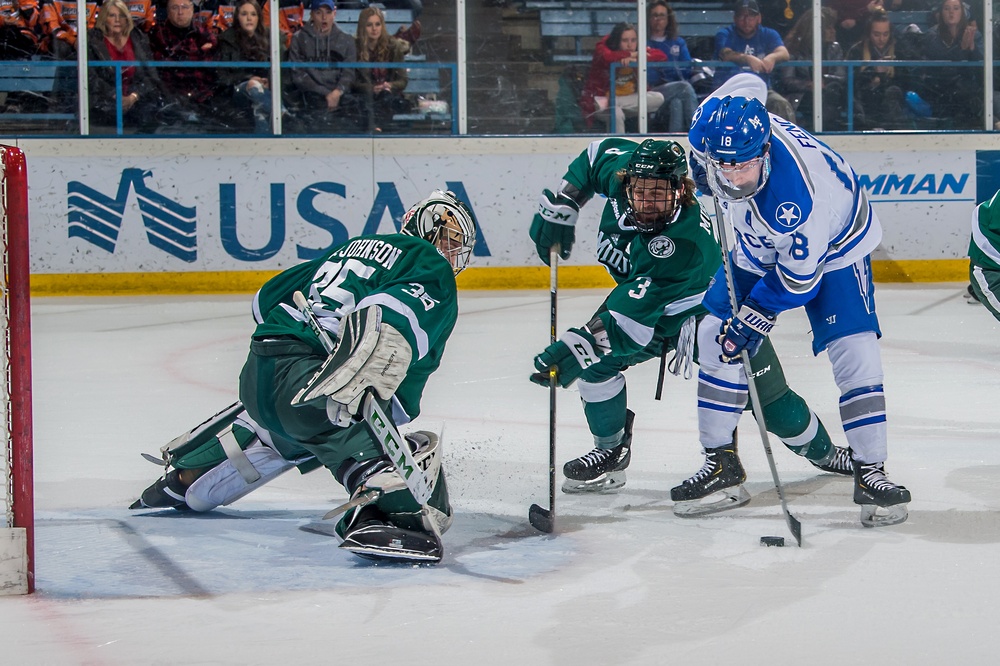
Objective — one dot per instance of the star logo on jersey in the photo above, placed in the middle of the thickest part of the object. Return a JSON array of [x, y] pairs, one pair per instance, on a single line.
[[788, 214], [661, 247]]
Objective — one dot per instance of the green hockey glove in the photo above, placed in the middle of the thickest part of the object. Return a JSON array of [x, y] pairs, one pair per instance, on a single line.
[[555, 222]]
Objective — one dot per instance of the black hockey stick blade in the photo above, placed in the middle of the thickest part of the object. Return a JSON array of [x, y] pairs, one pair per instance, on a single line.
[[795, 527], [541, 519]]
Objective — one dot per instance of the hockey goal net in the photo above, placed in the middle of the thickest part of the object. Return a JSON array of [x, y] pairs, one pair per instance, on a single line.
[[17, 532]]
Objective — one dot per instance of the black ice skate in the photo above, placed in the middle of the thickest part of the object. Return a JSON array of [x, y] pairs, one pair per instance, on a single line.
[[601, 469], [717, 486], [373, 537], [837, 461], [166, 493], [873, 491]]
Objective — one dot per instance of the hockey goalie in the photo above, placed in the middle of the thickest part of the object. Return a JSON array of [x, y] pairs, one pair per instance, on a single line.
[[343, 348]]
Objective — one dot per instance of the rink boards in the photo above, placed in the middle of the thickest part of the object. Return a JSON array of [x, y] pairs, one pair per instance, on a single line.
[[154, 216]]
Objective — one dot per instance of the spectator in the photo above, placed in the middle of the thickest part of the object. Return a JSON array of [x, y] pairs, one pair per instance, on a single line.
[[18, 29], [754, 48], [58, 25], [114, 37], [291, 18], [796, 83], [781, 15], [143, 13], [323, 94], [224, 16], [852, 16], [382, 87], [955, 93], [247, 41], [679, 98], [190, 90], [878, 90], [620, 46]]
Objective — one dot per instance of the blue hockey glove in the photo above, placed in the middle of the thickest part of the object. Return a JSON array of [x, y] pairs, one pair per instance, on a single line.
[[699, 175], [555, 222], [746, 331], [574, 352]]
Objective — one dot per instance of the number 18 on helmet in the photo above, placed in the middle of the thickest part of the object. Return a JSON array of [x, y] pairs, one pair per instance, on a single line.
[[737, 138]]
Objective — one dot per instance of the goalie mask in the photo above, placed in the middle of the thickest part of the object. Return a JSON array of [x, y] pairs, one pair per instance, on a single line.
[[654, 185], [447, 223]]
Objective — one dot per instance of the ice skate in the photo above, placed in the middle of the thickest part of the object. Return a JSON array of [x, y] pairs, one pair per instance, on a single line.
[[372, 536], [717, 486], [601, 469], [837, 461], [166, 493], [970, 296], [882, 501]]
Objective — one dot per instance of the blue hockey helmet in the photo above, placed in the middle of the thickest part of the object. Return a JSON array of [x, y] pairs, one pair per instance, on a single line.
[[699, 124], [737, 137]]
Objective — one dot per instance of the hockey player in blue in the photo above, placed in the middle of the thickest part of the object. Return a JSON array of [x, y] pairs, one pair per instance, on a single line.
[[804, 233]]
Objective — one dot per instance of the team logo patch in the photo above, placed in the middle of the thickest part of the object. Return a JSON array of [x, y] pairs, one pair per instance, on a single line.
[[788, 215], [661, 247]]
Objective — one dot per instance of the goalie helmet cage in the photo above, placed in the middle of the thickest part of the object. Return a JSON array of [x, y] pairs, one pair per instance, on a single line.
[[17, 574]]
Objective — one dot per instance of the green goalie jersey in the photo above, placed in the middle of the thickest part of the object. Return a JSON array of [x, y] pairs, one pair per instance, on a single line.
[[984, 250], [661, 278], [407, 276]]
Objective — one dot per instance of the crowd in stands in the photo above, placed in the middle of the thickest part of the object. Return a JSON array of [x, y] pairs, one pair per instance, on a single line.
[[883, 97], [160, 99], [770, 38]]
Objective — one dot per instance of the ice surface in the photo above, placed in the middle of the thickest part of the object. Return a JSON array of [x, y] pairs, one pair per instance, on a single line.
[[623, 581]]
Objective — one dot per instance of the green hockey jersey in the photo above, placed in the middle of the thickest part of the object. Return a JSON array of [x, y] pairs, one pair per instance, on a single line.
[[412, 282], [984, 249], [661, 275]]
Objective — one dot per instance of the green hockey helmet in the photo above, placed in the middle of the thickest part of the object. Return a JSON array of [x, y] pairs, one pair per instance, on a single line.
[[447, 223], [654, 185]]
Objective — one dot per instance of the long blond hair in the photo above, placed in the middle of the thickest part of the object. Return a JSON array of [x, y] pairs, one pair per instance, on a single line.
[[377, 51], [101, 22]]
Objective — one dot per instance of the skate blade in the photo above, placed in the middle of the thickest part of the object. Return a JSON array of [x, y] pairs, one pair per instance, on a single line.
[[390, 554], [722, 500], [603, 483], [873, 515], [389, 543]]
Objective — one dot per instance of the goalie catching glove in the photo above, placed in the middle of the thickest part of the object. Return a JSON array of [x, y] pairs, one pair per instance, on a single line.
[[555, 222], [574, 352], [369, 354], [745, 332]]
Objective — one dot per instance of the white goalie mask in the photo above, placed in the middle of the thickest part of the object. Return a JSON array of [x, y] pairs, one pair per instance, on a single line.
[[447, 223]]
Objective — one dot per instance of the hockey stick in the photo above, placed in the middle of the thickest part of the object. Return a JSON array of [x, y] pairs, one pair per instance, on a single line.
[[541, 519], [794, 526], [381, 427]]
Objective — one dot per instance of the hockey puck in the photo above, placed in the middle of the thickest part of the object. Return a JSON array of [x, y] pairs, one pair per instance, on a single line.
[[772, 541]]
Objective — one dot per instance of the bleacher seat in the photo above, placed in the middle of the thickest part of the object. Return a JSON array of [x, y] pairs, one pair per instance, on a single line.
[[580, 20]]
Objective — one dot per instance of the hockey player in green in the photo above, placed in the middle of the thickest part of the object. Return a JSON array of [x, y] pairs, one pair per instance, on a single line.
[[390, 302], [658, 246], [984, 254]]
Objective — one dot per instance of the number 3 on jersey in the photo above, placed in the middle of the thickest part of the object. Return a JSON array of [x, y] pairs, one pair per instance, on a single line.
[[640, 288]]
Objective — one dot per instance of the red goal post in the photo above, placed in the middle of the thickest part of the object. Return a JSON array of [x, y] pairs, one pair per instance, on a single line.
[[17, 575]]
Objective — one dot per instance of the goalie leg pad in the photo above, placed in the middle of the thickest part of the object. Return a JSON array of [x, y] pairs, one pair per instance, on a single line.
[[224, 484], [379, 478], [369, 353]]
